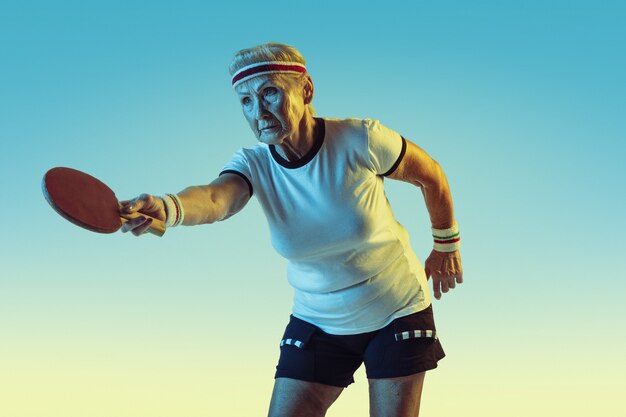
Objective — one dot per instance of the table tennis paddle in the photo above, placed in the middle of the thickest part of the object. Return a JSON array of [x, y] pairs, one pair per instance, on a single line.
[[88, 202]]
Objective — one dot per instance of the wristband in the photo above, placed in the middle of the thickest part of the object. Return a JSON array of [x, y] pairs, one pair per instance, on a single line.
[[174, 213], [447, 240]]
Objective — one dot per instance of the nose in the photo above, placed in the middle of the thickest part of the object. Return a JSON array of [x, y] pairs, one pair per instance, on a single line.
[[260, 112]]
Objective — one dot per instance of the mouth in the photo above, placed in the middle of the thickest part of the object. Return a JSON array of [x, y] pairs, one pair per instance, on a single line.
[[269, 128]]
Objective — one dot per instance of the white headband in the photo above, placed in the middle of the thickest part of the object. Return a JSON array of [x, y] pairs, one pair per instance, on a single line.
[[260, 68]]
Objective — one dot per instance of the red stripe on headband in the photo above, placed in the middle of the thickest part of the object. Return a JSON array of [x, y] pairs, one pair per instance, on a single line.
[[268, 68]]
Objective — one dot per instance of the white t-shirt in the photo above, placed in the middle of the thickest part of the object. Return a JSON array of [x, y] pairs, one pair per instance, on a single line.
[[349, 261]]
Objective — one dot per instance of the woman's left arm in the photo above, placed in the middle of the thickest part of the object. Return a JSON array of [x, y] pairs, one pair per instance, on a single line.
[[419, 169]]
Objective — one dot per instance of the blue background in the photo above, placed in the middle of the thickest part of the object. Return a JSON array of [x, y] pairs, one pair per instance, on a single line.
[[522, 103]]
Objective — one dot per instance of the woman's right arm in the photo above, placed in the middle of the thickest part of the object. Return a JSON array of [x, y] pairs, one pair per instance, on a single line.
[[202, 204], [219, 200]]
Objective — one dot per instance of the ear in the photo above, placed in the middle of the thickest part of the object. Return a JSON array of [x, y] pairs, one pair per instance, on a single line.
[[309, 90]]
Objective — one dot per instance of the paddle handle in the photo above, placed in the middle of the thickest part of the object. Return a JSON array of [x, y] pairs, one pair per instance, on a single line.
[[157, 227]]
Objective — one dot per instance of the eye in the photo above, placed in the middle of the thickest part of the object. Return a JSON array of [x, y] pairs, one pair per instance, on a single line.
[[270, 91], [245, 101]]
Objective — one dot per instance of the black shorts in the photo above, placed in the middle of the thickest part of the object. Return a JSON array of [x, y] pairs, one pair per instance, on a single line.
[[406, 346]]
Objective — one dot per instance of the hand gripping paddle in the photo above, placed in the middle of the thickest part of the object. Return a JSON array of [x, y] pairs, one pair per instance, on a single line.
[[88, 202]]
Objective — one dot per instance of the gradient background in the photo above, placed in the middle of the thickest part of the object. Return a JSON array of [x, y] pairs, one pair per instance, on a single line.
[[522, 103]]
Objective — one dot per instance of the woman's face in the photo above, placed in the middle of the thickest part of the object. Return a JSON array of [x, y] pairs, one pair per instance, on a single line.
[[272, 106]]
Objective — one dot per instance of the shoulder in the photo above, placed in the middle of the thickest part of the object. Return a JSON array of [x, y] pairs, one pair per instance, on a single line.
[[351, 128], [255, 150], [355, 126], [253, 154], [364, 131], [249, 160], [347, 123]]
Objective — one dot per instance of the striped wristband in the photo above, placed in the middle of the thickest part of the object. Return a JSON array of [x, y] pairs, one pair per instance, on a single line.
[[174, 213], [447, 240]]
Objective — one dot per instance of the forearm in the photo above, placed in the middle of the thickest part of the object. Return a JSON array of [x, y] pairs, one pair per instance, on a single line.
[[439, 201], [200, 204]]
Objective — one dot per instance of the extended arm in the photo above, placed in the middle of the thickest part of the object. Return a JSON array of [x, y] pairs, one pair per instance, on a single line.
[[219, 200], [419, 169], [202, 204]]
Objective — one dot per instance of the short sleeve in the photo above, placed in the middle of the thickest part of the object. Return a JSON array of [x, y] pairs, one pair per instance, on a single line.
[[239, 166], [386, 148]]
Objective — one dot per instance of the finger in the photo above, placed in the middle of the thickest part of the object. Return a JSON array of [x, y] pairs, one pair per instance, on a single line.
[[131, 224], [135, 204], [451, 282], [138, 231], [427, 272], [444, 284], [459, 277], [436, 288], [129, 206]]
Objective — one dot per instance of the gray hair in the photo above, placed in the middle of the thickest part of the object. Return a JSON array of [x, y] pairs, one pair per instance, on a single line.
[[271, 51]]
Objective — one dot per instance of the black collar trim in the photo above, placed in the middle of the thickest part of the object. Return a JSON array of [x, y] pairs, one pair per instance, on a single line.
[[320, 132]]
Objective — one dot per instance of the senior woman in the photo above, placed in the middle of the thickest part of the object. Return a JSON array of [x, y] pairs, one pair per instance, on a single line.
[[360, 293]]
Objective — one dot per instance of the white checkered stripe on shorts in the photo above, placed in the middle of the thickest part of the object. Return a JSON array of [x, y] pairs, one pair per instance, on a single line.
[[415, 334], [292, 342]]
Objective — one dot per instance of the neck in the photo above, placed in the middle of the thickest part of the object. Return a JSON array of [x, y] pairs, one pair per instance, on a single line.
[[297, 145]]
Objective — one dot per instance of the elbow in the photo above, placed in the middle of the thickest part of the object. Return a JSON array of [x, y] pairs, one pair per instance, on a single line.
[[437, 180], [217, 208], [205, 205]]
